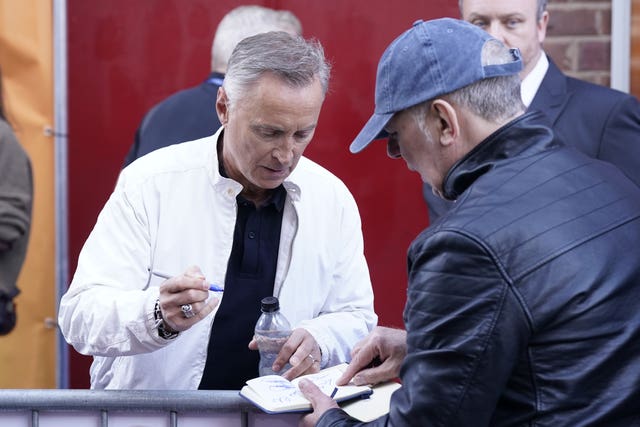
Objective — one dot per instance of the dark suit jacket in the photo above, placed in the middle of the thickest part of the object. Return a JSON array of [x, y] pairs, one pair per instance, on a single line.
[[599, 121], [184, 116]]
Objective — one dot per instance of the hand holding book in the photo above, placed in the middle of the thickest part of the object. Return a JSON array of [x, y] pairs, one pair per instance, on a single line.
[[274, 394]]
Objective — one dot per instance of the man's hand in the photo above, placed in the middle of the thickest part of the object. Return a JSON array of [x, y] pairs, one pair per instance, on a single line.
[[320, 401], [301, 350], [189, 288], [376, 358]]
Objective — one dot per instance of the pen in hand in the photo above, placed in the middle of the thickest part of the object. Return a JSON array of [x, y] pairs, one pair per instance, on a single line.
[[333, 393], [212, 286]]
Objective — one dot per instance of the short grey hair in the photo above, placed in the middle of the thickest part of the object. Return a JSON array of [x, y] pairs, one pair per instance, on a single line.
[[495, 99], [542, 6], [245, 21], [296, 61]]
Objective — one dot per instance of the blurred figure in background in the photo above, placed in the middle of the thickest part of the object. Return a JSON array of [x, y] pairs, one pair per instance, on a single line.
[[191, 113], [16, 194], [607, 129]]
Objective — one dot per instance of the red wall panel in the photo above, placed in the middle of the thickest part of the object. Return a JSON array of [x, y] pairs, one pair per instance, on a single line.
[[125, 56]]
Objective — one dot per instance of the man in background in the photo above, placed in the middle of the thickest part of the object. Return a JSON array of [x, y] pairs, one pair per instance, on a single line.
[[191, 114], [601, 122]]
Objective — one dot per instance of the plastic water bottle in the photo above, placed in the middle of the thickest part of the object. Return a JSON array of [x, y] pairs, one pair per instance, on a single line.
[[272, 331]]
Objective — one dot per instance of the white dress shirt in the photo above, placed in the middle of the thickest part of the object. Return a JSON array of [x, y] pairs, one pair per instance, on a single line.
[[533, 80]]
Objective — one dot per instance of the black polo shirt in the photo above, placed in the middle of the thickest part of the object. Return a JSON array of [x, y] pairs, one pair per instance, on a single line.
[[251, 273]]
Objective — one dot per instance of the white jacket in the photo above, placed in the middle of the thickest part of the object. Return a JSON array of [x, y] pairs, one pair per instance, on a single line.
[[172, 209]]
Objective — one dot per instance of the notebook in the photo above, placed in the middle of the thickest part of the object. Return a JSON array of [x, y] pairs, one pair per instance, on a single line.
[[275, 394]]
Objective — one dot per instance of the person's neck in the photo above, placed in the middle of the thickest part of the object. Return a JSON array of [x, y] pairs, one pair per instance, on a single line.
[[258, 196]]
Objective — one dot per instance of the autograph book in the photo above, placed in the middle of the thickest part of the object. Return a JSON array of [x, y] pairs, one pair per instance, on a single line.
[[275, 394]]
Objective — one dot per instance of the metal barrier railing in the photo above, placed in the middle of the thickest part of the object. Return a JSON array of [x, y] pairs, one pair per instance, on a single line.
[[104, 402]]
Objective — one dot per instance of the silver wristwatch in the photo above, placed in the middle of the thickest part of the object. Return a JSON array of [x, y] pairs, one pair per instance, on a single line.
[[160, 325]]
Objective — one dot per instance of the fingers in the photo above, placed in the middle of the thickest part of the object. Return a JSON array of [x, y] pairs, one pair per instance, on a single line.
[[362, 355], [306, 350], [207, 308], [303, 353], [191, 279], [320, 402], [360, 360], [174, 316], [193, 271], [376, 358], [253, 344], [312, 392], [300, 351], [185, 299], [388, 370]]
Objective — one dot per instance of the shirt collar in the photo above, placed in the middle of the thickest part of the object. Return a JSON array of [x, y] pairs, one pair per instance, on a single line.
[[277, 195], [215, 78], [533, 80], [290, 185], [523, 136]]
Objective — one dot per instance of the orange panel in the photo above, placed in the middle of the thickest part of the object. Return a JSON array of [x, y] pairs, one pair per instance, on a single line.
[[27, 354]]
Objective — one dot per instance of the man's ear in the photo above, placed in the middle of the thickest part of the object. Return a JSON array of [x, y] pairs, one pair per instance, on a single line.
[[447, 117], [222, 106], [542, 27]]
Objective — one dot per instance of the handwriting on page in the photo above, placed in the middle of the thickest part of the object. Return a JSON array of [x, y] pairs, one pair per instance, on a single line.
[[282, 391], [325, 380]]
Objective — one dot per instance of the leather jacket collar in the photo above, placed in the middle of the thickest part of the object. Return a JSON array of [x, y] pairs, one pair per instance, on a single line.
[[522, 136]]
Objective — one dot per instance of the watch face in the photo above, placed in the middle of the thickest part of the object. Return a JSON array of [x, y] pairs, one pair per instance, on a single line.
[[162, 331], [165, 334]]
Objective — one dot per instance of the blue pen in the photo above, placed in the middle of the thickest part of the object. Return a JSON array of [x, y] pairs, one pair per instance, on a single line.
[[212, 286], [333, 393]]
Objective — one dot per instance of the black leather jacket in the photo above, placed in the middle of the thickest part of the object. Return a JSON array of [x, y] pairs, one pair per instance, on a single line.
[[523, 305]]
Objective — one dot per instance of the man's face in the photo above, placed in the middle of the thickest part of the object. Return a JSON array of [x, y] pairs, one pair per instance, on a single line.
[[513, 22], [267, 130], [417, 146]]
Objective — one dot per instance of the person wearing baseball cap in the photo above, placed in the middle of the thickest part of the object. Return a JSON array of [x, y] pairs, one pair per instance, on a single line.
[[512, 317]]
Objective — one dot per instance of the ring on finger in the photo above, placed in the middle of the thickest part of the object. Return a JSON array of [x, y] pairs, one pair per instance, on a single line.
[[313, 359], [187, 311]]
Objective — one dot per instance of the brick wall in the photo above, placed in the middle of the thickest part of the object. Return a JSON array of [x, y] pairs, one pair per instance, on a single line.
[[579, 38]]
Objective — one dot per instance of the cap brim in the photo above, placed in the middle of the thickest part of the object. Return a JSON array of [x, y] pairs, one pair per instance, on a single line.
[[374, 129]]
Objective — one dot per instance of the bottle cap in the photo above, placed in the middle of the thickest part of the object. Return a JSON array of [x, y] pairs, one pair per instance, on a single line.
[[269, 304]]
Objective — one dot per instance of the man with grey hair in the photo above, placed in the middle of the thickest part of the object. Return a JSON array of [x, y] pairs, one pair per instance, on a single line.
[[190, 113], [242, 209], [521, 299], [245, 21], [608, 129]]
